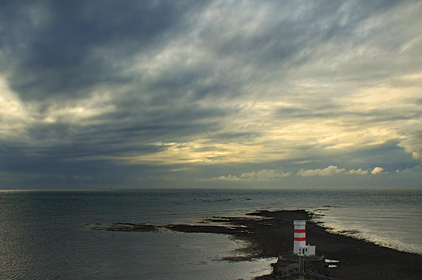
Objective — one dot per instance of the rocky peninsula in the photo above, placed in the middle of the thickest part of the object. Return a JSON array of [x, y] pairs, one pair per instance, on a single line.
[[270, 233]]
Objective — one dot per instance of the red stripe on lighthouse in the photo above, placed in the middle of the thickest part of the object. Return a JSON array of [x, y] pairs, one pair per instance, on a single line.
[[300, 230], [300, 238]]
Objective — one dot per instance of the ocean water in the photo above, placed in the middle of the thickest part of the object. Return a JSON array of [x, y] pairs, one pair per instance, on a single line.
[[42, 234]]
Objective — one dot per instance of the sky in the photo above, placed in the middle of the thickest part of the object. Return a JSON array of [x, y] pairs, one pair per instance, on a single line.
[[216, 94]]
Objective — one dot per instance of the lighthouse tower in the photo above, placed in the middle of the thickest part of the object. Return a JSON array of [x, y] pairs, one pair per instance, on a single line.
[[299, 243], [299, 235]]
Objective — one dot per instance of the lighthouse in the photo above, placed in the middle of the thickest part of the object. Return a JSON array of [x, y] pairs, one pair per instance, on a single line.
[[299, 235], [299, 243], [292, 265]]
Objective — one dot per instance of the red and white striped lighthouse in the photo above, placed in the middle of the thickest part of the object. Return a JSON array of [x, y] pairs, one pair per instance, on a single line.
[[299, 235]]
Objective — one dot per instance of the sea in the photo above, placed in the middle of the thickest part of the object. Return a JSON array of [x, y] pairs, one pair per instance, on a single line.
[[43, 234]]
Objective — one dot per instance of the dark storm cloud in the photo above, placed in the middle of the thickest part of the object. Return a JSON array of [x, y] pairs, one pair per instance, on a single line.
[[55, 45]]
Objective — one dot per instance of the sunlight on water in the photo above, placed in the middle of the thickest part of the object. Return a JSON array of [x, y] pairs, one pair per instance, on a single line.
[[389, 218]]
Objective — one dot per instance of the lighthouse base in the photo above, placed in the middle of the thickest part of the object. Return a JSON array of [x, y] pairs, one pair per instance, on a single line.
[[289, 266]]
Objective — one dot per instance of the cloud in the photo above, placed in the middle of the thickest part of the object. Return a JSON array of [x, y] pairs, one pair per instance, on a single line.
[[334, 170], [262, 175], [64, 51], [377, 170], [269, 174], [411, 142], [359, 171], [201, 86], [329, 171]]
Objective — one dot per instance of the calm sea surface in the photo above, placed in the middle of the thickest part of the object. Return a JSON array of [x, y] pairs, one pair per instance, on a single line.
[[41, 234]]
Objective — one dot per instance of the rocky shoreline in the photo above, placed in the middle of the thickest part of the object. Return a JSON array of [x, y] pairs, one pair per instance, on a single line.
[[270, 233]]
